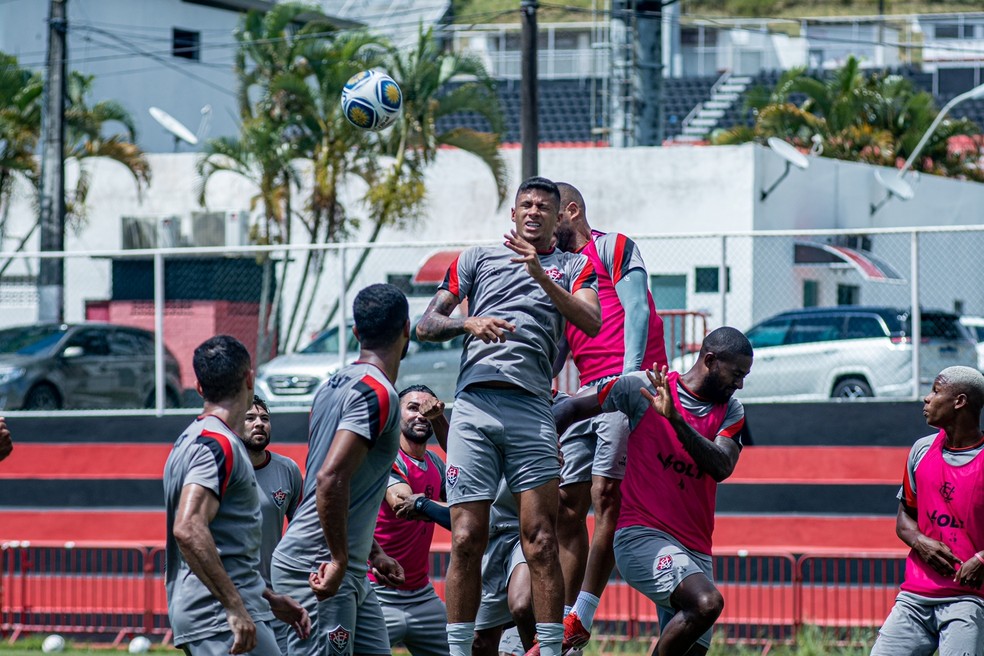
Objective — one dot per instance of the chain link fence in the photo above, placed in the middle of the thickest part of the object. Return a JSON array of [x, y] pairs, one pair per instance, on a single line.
[[830, 314]]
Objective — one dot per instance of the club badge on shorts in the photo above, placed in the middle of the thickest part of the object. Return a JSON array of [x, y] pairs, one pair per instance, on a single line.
[[452, 475], [339, 638], [664, 563]]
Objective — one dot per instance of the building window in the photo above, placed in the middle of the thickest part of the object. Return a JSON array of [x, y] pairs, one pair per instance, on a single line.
[[811, 293], [186, 44], [954, 31], [706, 280], [848, 295]]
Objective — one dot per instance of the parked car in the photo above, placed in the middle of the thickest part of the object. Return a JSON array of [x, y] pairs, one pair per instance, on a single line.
[[87, 365], [849, 352], [293, 379], [976, 327]]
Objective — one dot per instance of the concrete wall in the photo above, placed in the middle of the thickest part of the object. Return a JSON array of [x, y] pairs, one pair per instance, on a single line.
[[644, 192]]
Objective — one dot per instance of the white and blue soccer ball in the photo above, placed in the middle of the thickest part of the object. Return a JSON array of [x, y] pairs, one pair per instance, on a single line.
[[53, 644], [139, 645], [371, 100]]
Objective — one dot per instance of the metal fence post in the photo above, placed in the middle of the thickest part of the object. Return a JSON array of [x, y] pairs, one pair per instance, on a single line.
[[723, 280], [342, 309], [160, 389], [915, 314]]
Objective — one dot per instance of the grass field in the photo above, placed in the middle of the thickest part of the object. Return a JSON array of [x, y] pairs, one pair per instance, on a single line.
[[811, 644]]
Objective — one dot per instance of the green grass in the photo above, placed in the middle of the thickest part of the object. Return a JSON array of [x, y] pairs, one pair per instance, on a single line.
[[811, 643]]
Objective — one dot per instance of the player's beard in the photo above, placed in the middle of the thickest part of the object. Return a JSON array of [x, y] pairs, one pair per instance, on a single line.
[[565, 238], [406, 349], [257, 442], [415, 436]]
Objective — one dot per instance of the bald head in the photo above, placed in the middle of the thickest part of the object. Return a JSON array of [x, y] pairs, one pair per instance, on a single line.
[[967, 381], [726, 342], [569, 194]]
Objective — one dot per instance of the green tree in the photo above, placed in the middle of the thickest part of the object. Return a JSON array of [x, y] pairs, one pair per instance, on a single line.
[[876, 118], [21, 105], [426, 75]]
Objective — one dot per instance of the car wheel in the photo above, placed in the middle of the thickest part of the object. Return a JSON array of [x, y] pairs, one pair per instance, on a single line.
[[851, 388], [42, 397]]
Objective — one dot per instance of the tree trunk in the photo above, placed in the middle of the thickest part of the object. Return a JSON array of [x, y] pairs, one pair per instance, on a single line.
[[264, 343]]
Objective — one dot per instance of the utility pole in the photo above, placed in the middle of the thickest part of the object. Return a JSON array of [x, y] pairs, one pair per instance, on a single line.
[[51, 276], [529, 115], [649, 62]]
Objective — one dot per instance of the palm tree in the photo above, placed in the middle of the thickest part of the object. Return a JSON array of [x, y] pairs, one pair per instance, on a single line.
[[425, 75], [877, 119], [20, 127]]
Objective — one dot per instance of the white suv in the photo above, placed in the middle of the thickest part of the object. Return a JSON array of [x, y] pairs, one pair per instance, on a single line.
[[851, 352]]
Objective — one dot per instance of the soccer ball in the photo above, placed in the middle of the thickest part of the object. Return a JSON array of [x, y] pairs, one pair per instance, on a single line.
[[371, 100], [139, 645], [53, 644]]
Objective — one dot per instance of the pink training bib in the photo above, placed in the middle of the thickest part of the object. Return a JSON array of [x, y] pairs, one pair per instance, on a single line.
[[950, 505], [663, 487]]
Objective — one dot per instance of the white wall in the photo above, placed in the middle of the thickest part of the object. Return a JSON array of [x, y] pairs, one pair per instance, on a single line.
[[643, 192]]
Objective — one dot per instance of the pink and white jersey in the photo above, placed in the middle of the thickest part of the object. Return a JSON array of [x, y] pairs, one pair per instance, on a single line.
[[663, 487], [946, 487], [613, 255], [409, 540]]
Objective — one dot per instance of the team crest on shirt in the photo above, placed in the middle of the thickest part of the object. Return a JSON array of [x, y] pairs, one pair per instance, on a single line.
[[452, 475], [947, 490], [339, 638], [664, 563], [279, 497], [555, 274]]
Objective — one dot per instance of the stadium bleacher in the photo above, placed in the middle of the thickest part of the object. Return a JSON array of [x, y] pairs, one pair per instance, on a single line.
[[566, 105]]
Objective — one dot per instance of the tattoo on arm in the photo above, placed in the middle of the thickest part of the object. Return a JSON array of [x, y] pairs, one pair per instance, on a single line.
[[717, 458], [437, 324]]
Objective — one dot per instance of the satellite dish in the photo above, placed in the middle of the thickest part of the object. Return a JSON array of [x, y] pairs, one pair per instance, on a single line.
[[174, 126], [895, 185], [792, 156], [788, 153]]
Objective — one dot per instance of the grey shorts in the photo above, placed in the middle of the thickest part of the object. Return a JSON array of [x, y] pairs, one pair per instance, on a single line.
[[282, 632], [654, 563], [351, 622], [595, 447], [416, 619], [917, 626], [220, 643], [496, 433], [502, 556], [511, 643]]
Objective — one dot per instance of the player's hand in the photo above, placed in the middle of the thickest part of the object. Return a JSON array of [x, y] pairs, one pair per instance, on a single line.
[[327, 580], [937, 555], [243, 631], [525, 254], [432, 408], [386, 570], [291, 613], [405, 509], [6, 445], [662, 400], [970, 574], [488, 329]]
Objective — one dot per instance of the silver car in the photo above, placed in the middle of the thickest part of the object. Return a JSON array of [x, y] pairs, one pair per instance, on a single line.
[[849, 352], [88, 365], [293, 379]]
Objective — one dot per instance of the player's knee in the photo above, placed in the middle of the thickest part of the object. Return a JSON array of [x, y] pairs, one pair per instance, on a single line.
[[709, 605], [468, 541], [540, 545], [521, 609]]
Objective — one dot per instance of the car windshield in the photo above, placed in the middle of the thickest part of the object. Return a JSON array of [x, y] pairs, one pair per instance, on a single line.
[[327, 342], [30, 340]]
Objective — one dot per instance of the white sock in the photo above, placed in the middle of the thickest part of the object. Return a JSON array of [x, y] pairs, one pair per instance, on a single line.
[[460, 638], [585, 608], [567, 610], [551, 637]]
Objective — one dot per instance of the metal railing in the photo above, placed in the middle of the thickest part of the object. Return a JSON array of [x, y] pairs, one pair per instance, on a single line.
[[770, 597]]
